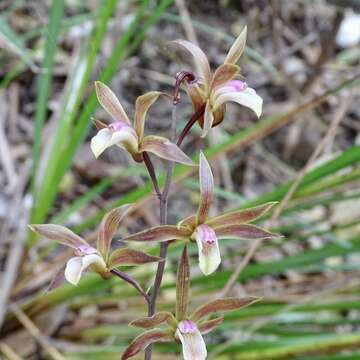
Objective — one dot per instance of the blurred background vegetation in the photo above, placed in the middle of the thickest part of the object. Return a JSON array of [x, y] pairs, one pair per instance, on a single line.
[[302, 57]]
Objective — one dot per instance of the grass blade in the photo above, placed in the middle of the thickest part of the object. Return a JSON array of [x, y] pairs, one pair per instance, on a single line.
[[44, 79]]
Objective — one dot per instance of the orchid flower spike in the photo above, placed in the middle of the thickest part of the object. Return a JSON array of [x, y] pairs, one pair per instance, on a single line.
[[206, 231], [130, 136], [212, 91], [188, 329], [100, 259]]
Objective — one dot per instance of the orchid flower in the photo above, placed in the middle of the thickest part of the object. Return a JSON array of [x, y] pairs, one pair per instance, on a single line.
[[206, 231], [212, 91], [99, 259], [188, 329], [130, 136]]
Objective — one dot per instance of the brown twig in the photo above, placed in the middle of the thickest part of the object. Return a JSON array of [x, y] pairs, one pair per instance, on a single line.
[[20, 210], [328, 45], [186, 21], [339, 115], [6, 155]]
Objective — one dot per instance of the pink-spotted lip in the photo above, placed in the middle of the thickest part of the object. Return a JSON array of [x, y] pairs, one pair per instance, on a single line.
[[83, 250], [206, 234], [117, 126], [237, 85], [187, 326]]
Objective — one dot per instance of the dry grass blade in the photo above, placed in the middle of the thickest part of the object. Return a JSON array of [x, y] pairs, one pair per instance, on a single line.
[[6, 157], [8, 352], [36, 333]]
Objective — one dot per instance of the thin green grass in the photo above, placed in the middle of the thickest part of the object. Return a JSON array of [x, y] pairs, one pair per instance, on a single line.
[[44, 79], [65, 145]]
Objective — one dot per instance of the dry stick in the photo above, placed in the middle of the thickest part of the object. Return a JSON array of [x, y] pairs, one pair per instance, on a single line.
[[339, 115], [20, 207], [36, 333], [186, 21], [6, 157]]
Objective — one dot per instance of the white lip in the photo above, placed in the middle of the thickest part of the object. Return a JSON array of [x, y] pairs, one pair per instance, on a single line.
[[106, 138], [193, 345], [76, 266]]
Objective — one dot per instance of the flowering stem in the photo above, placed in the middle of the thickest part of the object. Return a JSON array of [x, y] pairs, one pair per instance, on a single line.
[[163, 198], [190, 124], [132, 282], [163, 220], [150, 168]]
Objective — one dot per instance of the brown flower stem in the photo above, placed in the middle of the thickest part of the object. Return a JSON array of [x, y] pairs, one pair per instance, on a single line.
[[150, 168], [132, 282], [190, 124], [163, 199]]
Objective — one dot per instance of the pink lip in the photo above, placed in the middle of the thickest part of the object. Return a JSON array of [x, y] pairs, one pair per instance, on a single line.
[[83, 250], [117, 126], [187, 327], [238, 85], [206, 234]]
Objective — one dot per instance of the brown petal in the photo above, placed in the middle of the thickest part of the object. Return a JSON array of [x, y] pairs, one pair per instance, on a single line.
[[155, 320], [223, 74], [57, 280], [206, 189], [208, 119], [130, 257], [223, 306], [142, 106], [237, 48], [241, 216], [59, 233], [196, 95], [164, 149], [243, 231], [189, 222], [200, 59], [209, 325], [108, 228], [142, 341], [110, 102], [159, 233], [182, 286], [99, 124]]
